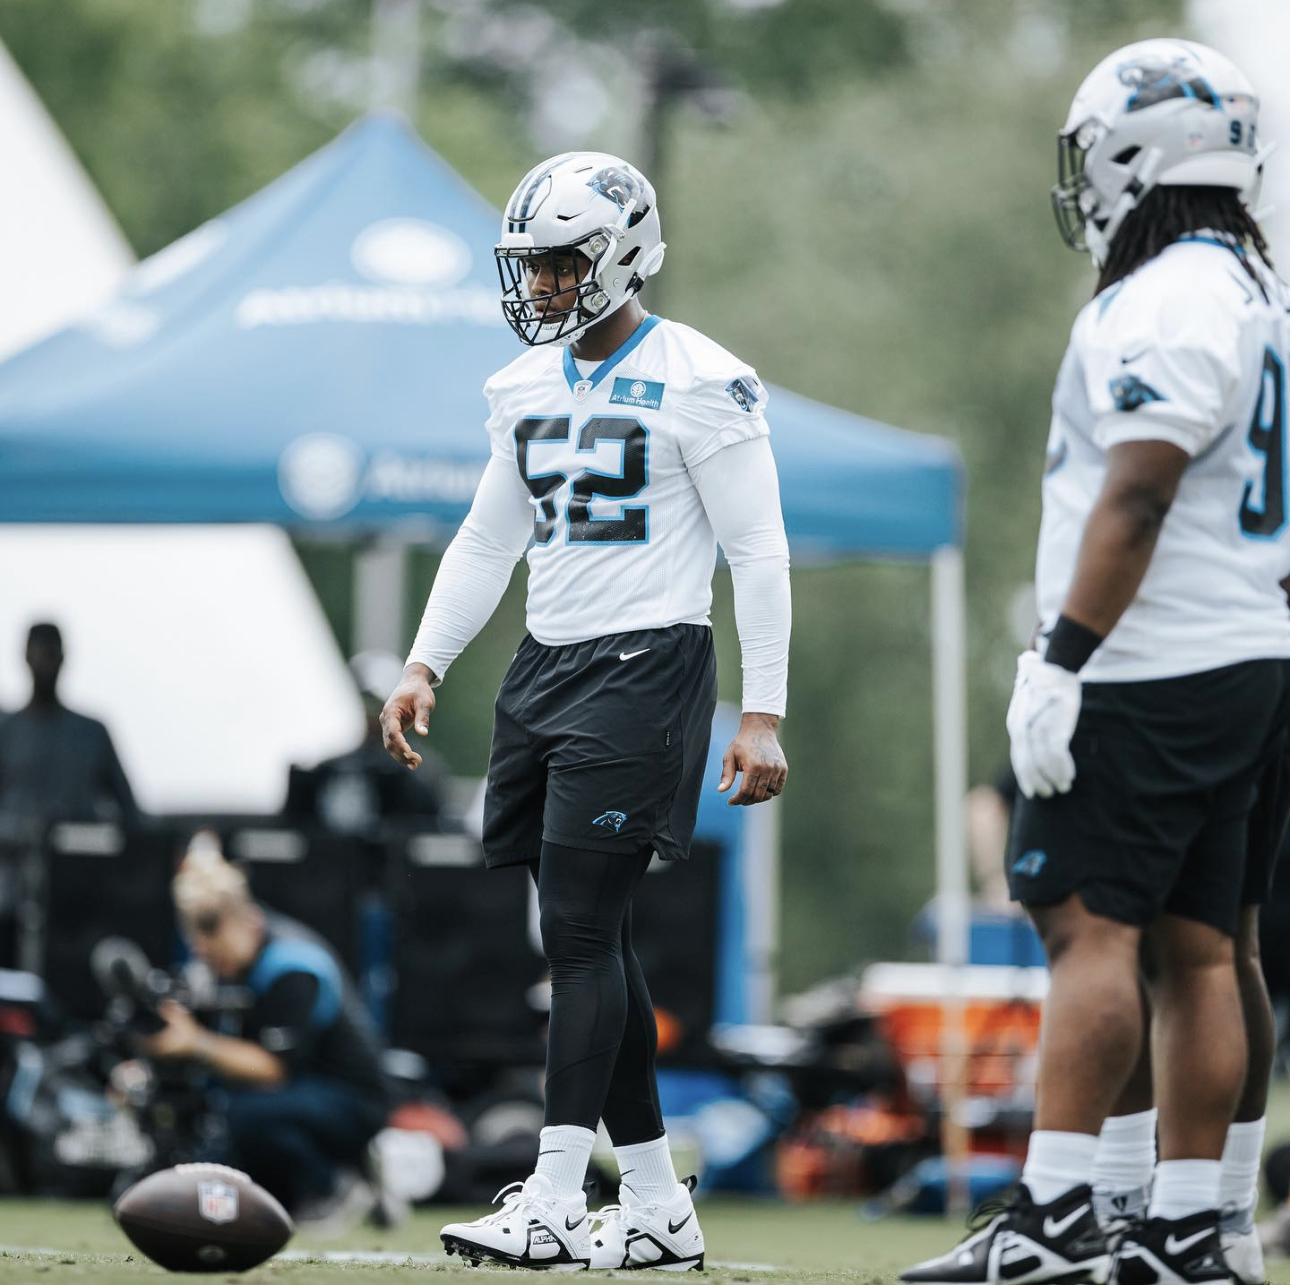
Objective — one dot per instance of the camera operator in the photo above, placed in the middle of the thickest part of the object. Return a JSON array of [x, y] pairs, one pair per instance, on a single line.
[[301, 1071]]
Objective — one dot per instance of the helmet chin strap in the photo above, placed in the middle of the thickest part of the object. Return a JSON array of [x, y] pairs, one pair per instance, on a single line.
[[1254, 189], [1099, 238]]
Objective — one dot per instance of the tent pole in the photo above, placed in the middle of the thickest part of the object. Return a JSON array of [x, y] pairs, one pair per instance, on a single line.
[[396, 54], [760, 871], [949, 698], [380, 586]]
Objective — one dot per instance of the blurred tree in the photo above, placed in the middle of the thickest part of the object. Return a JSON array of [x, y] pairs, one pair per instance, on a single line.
[[867, 220]]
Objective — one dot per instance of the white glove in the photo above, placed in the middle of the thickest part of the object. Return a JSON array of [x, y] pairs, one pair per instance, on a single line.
[[1041, 721]]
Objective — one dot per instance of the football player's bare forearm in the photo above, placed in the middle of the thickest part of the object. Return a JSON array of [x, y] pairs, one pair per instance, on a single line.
[[1120, 535], [1119, 539]]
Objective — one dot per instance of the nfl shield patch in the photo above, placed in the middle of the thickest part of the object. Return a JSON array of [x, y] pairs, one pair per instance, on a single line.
[[217, 1201], [645, 393]]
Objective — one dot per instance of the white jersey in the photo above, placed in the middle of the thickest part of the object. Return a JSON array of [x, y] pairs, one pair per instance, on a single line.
[[1186, 350], [621, 541]]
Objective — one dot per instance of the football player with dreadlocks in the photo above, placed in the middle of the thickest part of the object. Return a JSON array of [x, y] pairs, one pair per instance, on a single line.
[[1152, 712], [624, 449]]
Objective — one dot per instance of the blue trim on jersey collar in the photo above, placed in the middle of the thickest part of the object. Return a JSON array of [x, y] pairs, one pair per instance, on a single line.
[[597, 375], [1235, 247]]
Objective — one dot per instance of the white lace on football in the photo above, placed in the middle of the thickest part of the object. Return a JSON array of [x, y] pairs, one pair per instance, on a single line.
[[209, 1167]]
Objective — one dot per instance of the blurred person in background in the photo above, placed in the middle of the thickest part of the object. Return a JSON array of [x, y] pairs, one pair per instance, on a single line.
[[298, 1064], [56, 764], [1148, 724], [987, 814], [624, 448], [363, 789]]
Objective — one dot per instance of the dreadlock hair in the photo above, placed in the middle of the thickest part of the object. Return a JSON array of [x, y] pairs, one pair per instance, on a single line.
[[1167, 214]]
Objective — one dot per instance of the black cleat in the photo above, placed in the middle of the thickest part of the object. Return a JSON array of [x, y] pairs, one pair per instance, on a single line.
[[1173, 1251], [1014, 1241]]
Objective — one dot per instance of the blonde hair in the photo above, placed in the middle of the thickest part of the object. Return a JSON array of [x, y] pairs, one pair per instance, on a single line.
[[205, 881]]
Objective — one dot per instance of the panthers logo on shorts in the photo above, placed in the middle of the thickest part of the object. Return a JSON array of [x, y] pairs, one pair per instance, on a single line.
[[611, 820], [1030, 863]]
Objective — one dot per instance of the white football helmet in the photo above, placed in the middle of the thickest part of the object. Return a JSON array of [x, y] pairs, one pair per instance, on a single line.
[[1155, 113], [590, 204]]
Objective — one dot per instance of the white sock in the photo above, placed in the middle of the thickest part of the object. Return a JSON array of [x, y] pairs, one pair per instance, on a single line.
[[1056, 1162], [1184, 1187], [563, 1153], [1126, 1154], [646, 1167], [1242, 1158]]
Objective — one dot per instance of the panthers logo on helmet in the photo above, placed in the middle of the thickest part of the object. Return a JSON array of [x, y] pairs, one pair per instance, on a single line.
[[616, 185], [1153, 80]]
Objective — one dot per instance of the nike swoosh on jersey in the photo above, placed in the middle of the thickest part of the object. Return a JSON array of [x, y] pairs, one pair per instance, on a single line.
[[677, 1228], [1054, 1227], [1175, 1246], [627, 655], [1124, 361]]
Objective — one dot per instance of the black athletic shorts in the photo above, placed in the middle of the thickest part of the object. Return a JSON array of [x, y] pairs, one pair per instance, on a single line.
[[1167, 773], [1269, 819], [601, 745]]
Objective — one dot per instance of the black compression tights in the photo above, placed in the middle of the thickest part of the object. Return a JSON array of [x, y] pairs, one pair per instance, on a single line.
[[602, 1040]]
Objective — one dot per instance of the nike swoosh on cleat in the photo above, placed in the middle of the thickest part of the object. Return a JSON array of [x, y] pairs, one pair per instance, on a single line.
[[568, 1226], [1174, 1246], [681, 1224], [1054, 1227], [627, 655]]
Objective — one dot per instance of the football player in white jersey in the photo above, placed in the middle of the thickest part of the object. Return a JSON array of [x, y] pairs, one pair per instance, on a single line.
[[1156, 696], [624, 449]]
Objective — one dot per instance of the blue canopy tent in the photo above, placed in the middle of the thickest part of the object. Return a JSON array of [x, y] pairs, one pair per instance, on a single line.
[[314, 359]]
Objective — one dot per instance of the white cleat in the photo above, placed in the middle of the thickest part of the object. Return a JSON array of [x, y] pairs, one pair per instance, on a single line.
[[1244, 1255], [1242, 1248], [632, 1234], [533, 1228]]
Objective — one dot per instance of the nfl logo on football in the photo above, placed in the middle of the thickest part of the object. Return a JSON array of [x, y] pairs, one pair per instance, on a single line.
[[217, 1202]]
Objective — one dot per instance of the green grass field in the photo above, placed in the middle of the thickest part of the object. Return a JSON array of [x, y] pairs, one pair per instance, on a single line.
[[748, 1241], [756, 1240]]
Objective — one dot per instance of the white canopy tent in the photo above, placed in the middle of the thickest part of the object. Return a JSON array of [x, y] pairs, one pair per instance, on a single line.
[[183, 642]]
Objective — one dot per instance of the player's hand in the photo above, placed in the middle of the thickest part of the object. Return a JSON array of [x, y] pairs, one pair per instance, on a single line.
[[1041, 721], [180, 1036], [755, 752], [409, 705]]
